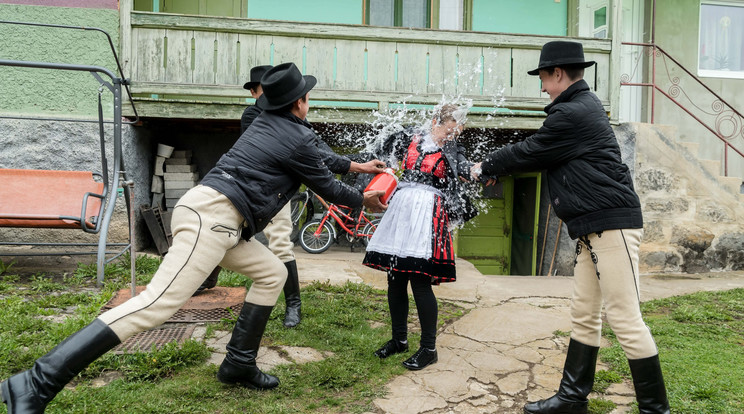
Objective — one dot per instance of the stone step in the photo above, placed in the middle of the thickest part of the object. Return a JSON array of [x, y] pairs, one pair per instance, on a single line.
[[732, 184], [692, 147], [712, 166]]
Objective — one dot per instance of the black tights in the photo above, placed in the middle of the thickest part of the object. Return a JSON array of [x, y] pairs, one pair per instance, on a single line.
[[426, 304]]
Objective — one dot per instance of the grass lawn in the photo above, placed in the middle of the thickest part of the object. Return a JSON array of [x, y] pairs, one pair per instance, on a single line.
[[700, 337], [701, 348], [350, 321]]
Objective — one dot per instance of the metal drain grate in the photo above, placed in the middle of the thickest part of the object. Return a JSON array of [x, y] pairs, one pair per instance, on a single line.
[[205, 315], [144, 341]]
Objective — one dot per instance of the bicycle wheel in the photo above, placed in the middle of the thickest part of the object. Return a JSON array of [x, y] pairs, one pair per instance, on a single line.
[[316, 244], [368, 231]]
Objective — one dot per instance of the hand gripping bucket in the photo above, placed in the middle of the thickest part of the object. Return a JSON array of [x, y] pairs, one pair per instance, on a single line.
[[385, 181]]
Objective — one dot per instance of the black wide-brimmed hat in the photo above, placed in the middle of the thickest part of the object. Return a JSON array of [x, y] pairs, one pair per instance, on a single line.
[[257, 73], [561, 53], [282, 85]]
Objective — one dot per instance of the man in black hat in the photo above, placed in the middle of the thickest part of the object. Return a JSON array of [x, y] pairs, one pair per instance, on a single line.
[[591, 190], [247, 187], [254, 86], [279, 229]]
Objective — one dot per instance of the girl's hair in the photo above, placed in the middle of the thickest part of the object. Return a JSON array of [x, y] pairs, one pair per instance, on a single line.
[[450, 112]]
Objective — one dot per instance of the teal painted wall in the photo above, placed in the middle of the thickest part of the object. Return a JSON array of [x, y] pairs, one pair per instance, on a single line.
[[317, 11], [35, 92], [539, 17]]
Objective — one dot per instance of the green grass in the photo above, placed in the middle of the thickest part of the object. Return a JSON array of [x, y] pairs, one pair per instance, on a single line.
[[175, 379], [701, 349]]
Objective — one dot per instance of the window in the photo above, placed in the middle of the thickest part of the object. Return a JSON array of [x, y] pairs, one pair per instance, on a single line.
[[721, 40], [400, 13]]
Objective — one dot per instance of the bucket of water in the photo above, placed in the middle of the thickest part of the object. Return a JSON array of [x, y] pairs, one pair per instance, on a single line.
[[385, 181]]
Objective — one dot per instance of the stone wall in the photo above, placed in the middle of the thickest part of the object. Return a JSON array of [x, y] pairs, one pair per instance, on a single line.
[[693, 217]]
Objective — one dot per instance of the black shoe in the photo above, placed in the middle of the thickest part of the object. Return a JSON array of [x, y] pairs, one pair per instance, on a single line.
[[210, 281], [30, 391], [239, 366], [576, 384], [391, 347], [292, 316], [649, 385], [421, 359]]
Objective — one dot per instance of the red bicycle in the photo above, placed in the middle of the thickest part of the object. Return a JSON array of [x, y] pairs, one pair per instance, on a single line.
[[317, 236]]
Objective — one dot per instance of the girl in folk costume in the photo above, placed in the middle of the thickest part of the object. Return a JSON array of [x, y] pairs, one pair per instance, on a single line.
[[413, 241]]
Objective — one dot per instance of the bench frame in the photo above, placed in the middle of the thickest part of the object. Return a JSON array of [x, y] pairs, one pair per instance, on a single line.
[[111, 183]]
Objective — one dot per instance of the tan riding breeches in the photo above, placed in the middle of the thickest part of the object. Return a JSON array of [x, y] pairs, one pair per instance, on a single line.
[[206, 233], [606, 273], [278, 232]]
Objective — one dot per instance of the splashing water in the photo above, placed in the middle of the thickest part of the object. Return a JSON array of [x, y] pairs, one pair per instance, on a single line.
[[408, 113]]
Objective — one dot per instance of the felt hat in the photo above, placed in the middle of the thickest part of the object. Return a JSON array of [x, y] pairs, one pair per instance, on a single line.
[[284, 84], [561, 53], [256, 73]]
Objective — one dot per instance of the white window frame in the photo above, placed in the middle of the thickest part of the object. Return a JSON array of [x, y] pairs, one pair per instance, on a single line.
[[716, 73]]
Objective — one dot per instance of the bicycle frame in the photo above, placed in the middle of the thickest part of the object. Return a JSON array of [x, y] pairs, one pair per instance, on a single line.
[[333, 212]]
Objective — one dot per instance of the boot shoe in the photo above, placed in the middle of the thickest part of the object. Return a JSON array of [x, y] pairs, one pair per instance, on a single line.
[[421, 359], [391, 347], [555, 405]]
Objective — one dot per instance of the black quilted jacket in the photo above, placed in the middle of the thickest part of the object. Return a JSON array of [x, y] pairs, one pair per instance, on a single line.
[[266, 166], [590, 187]]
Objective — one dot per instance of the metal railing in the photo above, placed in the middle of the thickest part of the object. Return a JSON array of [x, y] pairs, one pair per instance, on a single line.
[[721, 118]]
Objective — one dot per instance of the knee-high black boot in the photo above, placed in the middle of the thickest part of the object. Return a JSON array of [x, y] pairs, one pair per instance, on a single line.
[[30, 391], [292, 296], [649, 385], [239, 366], [578, 378]]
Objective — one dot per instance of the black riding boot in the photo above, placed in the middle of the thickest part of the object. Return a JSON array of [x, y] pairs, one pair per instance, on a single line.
[[292, 296], [649, 385], [30, 391], [210, 281], [239, 366], [578, 378]]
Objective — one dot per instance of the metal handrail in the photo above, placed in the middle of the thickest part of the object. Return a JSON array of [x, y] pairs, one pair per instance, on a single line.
[[653, 84]]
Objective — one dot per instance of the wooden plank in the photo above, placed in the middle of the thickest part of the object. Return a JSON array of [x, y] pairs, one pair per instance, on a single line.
[[227, 64], [349, 66], [602, 76], [178, 61], [147, 59], [442, 70], [355, 32], [249, 56], [204, 59], [288, 49], [525, 85], [469, 70], [381, 66], [319, 62], [496, 72], [412, 68]]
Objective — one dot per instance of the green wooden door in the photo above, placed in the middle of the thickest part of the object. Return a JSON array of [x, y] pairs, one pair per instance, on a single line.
[[485, 240]]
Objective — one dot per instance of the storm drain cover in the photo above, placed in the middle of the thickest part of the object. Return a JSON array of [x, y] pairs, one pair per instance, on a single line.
[[144, 341], [211, 305]]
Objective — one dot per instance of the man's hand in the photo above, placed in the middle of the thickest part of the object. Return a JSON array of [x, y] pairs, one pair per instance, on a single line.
[[475, 174], [369, 167], [372, 201]]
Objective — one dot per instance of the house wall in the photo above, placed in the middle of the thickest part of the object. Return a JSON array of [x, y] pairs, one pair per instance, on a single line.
[[677, 28], [318, 11], [538, 17], [36, 95], [34, 91]]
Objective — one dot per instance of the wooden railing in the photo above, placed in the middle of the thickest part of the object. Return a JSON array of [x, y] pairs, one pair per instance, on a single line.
[[192, 59]]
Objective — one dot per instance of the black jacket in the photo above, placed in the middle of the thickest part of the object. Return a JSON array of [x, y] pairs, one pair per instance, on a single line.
[[459, 205], [249, 115], [268, 163], [590, 188]]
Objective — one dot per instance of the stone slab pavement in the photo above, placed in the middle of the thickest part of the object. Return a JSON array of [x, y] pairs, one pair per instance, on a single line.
[[504, 352]]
